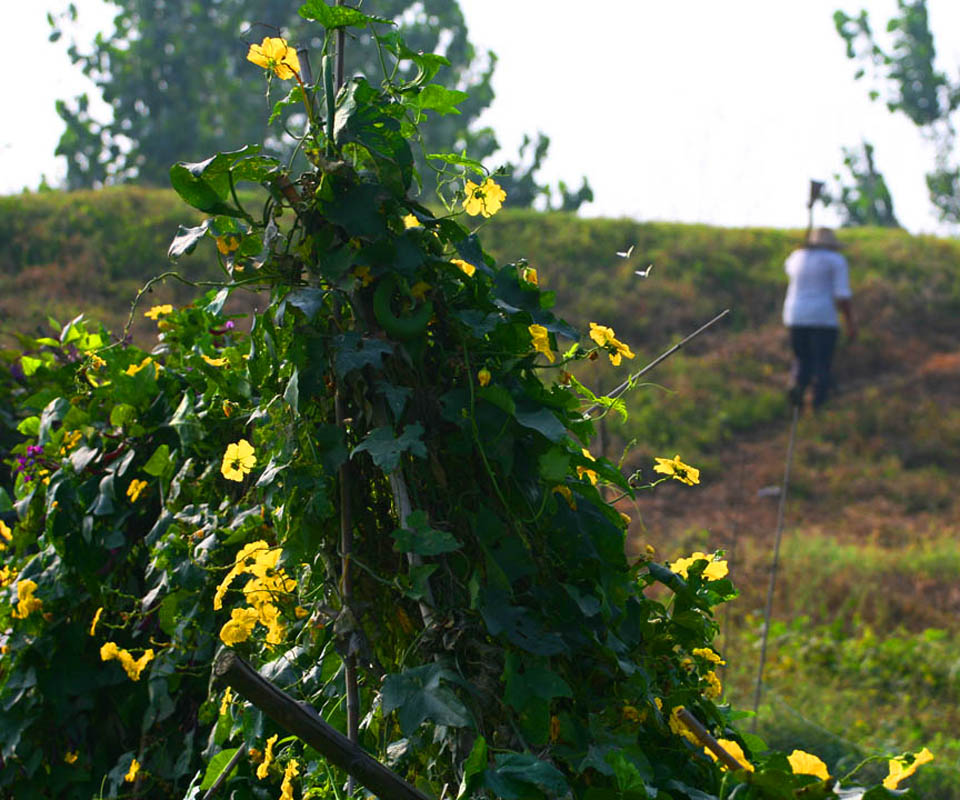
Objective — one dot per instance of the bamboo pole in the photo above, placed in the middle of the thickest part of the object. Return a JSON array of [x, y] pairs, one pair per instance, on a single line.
[[305, 723]]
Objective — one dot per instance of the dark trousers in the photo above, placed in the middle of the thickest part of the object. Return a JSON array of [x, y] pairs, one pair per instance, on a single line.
[[813, 348]]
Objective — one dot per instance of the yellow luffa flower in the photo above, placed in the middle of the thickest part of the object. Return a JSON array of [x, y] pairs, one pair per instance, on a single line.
[[215, 362], [566, 494], [133, 369], [733, 749], [158, 311], [606, 338], [708, 654], [714, 687], [410, 221], [131, 775], [677, 470], [239, 627], [264, 767], [227, 244], [483, 377], [419, 290], [133, 667], [5, 532], [238, 460], [96, 619], [289, 773], [71, 758], [714, 571], [541, 341], [464, 266], [900, 770], [362, 274], [275, 54], [27, 603], [803, 763], [679, 728], [485, 199], [256, 557], [529, 274], [590, 473], [227, 700], [135, 488]]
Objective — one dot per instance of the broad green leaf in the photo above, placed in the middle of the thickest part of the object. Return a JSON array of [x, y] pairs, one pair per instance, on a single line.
[[544, 421], [473, 767], [5, 503], [217, 765], [418, 695], [159, 462], [185, 421], [385, 448], [353, 353], [29, 364], [29, 426], [440, 99], [187, 239], [418, 537], [554, 464], [459, 161], [338, 16], [291, 394], [530, 769]]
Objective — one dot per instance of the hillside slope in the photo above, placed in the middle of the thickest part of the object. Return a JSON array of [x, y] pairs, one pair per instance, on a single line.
[[869, 560]]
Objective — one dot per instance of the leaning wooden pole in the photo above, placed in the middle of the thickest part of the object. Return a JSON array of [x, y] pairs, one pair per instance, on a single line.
[[306, 724]]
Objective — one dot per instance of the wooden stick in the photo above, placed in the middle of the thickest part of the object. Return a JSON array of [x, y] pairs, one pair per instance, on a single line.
[[707, 740], [305, 723]]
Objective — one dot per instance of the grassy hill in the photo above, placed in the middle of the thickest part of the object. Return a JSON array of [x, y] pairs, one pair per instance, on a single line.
[[864, 654]]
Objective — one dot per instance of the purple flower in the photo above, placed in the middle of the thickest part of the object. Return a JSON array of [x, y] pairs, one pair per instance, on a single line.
[[229, 325]]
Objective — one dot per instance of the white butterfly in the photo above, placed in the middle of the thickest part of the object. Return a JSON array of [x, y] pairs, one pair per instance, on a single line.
[[643, 273], [628, 253]]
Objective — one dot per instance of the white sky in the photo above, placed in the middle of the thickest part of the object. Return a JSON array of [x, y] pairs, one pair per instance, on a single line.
[[686, 110]]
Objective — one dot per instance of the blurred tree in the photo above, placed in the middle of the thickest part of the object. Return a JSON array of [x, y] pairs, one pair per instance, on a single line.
[[163, 61], [520, 183], [867, 201], [913, 86]]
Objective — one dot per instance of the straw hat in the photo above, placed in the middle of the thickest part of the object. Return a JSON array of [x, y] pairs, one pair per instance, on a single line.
[[825, 238]]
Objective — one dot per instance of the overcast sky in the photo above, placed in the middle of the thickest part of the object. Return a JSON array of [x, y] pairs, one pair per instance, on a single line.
[[688, 110]]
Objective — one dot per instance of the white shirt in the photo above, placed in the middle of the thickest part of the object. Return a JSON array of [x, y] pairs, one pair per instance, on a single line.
[[818, 278]]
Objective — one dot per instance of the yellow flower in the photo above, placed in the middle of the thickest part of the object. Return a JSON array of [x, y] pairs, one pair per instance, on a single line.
[[541, 341], [300, 612], [733, 749], [714, 687], [807, 764], [630, 714], [133, 667], [249, 557], [899, 770], [529, 274], [131, 775], [157, 311], [227, 244], [625, 518], [108, 651], [96, 619], [275, 54], [362, 273], [227, 700], [133, 369], [554, 728], [291, 771], [27, 602], [419, 290], [71, 758], [5, 531], [238, 460], [410, 221], [215, 362], [240, 626], [606, 338], [677, 470], [135, 488], [581, 471], [267, 757], [483, 377], [679, 728], [484, 199], [465, 267], [708, 654], [566, 494], [714, 571]]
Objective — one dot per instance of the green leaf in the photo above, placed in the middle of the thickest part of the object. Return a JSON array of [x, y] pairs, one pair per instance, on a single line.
[[459, 161], [418, 537], [385, 448], [544, 421], [185, 421], [121, 414], [554, 464], [440, 99], [291, 394], [186, 240], [473, 767], [159, 462], [5, 502], [339, 16], [29, 426], [206, 184], [417, 695], [217, 765], [29, 364], [530, 769], [353, 353]]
